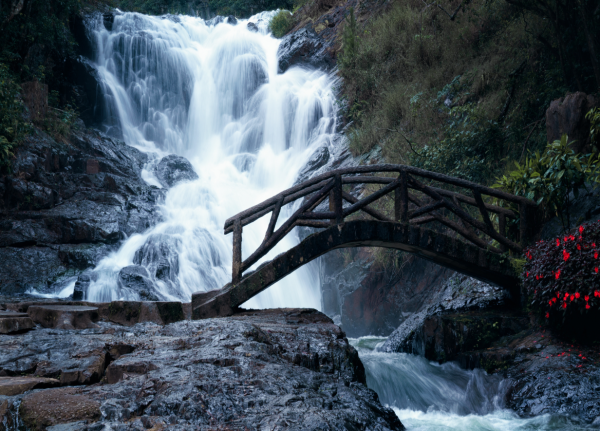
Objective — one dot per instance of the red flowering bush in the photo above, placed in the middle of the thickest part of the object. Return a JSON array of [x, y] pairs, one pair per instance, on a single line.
[[562, 280]]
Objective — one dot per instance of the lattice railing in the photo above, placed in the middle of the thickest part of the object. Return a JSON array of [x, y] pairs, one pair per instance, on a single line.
[[415, 201]]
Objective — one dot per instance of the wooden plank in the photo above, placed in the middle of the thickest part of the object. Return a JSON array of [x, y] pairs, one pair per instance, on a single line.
[[312, 223], [482, 209], [425, 209], [338, 205], [274, 218], [372, 212], [236, 266], [403, 195], [287, 226]]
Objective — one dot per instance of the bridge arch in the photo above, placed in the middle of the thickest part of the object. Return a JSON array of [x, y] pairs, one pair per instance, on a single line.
[[464, 209], [437, 247]]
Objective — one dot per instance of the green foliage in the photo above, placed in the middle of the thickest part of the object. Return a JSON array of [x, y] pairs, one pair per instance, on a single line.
[[461, 96], [281, 23], [238, 8], [594, 118], [12, 126], [553, 177]]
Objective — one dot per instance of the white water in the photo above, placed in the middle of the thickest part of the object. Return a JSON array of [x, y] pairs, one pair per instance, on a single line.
[[213, 95], [431, 397]]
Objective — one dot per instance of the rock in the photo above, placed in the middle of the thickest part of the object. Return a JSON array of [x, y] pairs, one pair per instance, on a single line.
[[317, 160], [567, 116], [252, 27], [255, 370], [54, 406], [172, 170], [60, 218], [136, 279], [14, 322], [458, 294], [35, 97], [304, 47], [64, 316], [86, 86], [128, 313], [10, 386], [222, 19]]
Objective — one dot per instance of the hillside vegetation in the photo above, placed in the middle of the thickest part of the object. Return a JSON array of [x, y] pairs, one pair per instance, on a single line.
[[462, 87]]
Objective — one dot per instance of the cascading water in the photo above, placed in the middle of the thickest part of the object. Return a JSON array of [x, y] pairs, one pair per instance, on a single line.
[[431, 397], [213, 94]]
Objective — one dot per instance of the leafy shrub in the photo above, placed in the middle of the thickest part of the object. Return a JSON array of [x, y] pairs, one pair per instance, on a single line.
[[12, 126], [594, 117], [281, 23], [562, 280], [553, 178]]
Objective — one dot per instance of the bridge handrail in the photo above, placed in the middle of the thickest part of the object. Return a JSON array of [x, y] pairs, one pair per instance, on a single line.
[[330, 184]]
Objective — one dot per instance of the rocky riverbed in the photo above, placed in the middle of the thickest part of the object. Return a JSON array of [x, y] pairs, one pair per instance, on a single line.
[[270, 369]]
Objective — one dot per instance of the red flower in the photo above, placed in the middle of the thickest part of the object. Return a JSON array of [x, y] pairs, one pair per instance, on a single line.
[[580, 229], [596, 293], [577, 295], [558, 294], [566, 238], [557, 274], [554, 300], [587, 306], [547, 315], [537, 277], [596, 269], [566, 255], [564, 305], [586, 297], [572, 238], [596, 253], [557, 242], [550, 303], [572, 297], [578, 246], [526, 274]]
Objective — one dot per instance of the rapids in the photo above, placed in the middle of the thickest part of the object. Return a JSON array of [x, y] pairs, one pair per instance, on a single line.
[[211, 93], [431, 397]]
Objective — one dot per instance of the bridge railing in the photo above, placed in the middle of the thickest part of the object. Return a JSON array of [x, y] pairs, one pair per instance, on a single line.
[[416, 201]]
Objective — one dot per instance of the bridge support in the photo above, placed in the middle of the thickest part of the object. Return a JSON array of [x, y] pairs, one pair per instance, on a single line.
[[440, 248]]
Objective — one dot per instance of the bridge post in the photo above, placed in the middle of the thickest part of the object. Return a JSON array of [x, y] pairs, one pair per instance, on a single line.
[[502, 229], [401, 199], [525, 215], [335, 201], [236, 266]]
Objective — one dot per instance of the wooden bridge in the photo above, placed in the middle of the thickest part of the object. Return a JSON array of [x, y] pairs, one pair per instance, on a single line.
[[470, 227]]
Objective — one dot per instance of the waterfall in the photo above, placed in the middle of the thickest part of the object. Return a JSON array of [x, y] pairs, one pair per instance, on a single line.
[[209, 91]]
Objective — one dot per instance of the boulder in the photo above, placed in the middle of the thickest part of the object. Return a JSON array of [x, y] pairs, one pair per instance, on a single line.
[[64, 316], [317, 160], [10, 386], [174, 169], [129, 313], [40, 410], [35, 97], [252, 27], [567, 116], [305, 48], [136, 279], [11, 322]]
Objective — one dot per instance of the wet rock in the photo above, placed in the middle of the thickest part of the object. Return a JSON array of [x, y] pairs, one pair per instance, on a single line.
[[129, 313], [252, 27], [304, 47], [256, 370], [60, 218], [172, 170], [88, 95], [567, 116], [10, 386], [458, 294], [46, 408], [318, 159], [11, 322], [64, 316], [136, 279]]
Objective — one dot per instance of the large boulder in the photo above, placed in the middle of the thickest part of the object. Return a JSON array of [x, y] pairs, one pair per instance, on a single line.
[[173, 169], [306, 48], [136, 279], [567, 116]]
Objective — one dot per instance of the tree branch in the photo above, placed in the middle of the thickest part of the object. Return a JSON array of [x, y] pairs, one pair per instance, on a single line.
[[455, 12]]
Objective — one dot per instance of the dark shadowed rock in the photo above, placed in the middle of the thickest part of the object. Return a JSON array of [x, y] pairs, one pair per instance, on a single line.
[[135, 278], [252, 27], [567, 116], [12, 322], [317, 160], [173, 169], [64, 316], [304, 47], [19, 384], [269, 369]]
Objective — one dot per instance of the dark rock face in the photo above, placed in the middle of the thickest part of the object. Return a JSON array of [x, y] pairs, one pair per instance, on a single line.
[[370, 300], [304, 47], [65, 206], [419, 333], [275, 369], [173, 169], [567, 116], [136, 278]]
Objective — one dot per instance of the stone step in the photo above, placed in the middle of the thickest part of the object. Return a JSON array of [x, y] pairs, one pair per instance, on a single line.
[[10, 386], [64, 316], [12, 322]]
